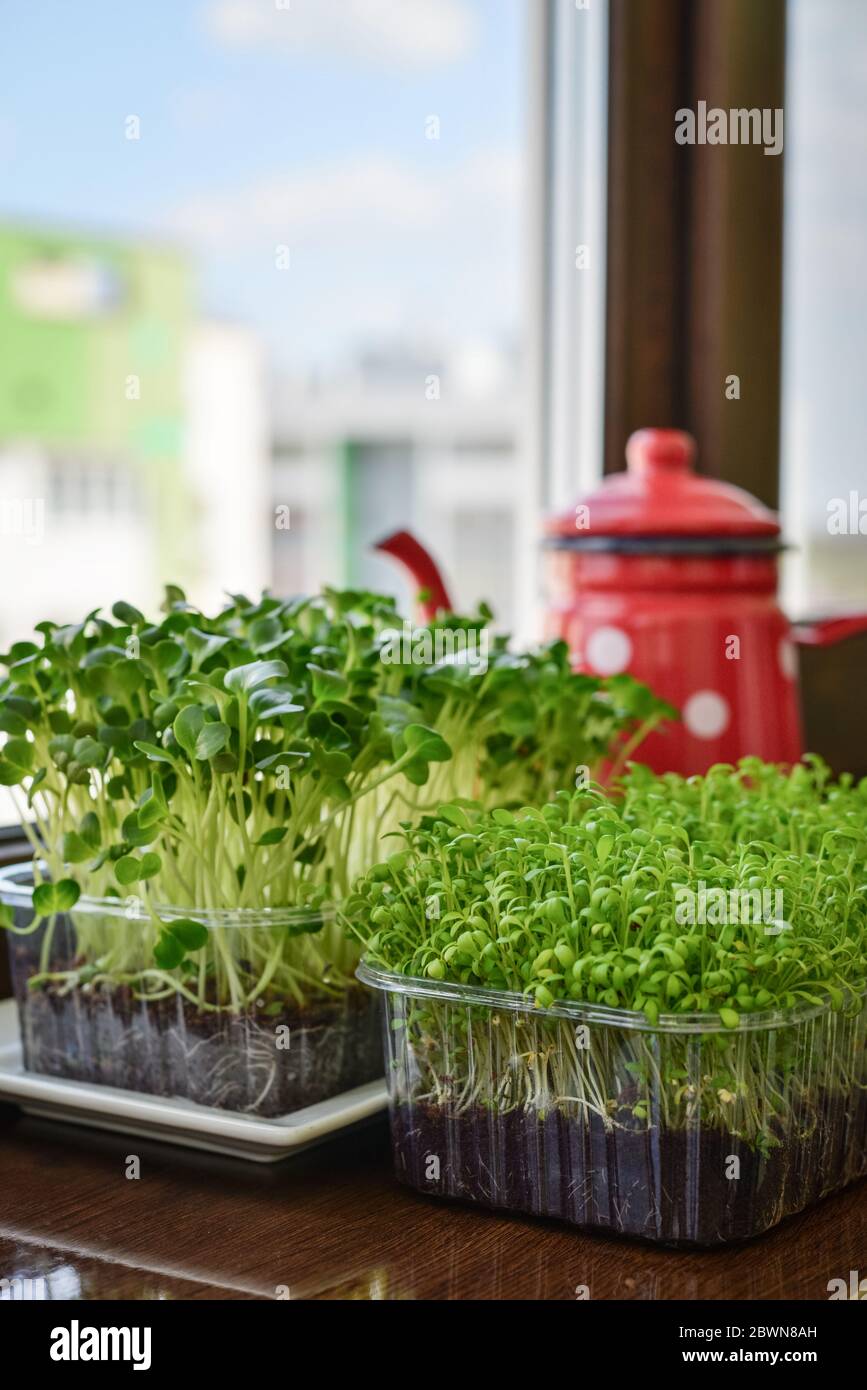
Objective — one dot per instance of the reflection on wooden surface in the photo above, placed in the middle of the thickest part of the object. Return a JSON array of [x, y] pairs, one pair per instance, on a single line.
[[333, 1224]]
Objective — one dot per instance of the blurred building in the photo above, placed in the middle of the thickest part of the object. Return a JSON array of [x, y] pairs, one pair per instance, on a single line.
[[400, 444], [133, 439], [137, 446]]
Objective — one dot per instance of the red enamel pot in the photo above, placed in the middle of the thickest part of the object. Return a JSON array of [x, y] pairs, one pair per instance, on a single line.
[[673, 577]]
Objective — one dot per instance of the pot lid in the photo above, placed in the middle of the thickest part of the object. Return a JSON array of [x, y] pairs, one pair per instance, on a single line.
[[660, 495]]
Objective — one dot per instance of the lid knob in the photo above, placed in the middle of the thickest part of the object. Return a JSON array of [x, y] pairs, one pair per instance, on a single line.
[[660, 451]]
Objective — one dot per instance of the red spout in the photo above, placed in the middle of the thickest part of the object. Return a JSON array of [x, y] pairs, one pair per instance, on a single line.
[[414, 558], [826, 632]]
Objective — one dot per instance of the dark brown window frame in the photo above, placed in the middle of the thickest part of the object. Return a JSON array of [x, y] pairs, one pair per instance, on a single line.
[[695, 235]]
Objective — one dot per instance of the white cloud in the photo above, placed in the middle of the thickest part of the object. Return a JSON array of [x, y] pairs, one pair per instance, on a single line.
[[404, 33], [354, 200], [380, 249]]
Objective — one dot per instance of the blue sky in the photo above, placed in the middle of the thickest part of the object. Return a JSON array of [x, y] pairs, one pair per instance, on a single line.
[[303, 126]]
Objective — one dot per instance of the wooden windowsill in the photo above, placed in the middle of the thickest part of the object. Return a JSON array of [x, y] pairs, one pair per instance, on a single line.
[[334, 1224]]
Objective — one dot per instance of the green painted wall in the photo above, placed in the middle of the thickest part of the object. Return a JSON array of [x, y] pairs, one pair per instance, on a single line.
[[65, 381]]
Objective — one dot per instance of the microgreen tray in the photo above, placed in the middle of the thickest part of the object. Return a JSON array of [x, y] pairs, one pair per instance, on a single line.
[[178, 1122], [94, 1007], [680, 1131]]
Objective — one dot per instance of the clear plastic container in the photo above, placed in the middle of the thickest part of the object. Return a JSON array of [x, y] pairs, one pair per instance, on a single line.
[[683, 1132], [79, 985]]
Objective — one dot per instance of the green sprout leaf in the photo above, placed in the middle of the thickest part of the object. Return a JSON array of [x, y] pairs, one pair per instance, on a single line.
[[150, 866], [187, 727], [74, 849], [241, 680], [19, 753], [203, 645], [192, 935], [127, 614], [212, 740], [127, 870], [426, 744], [90, 830], [87, 752], [328, 685], [275, 836], [153, 807], [155, 754], [49, 898], [44, 898], [168, 951], [10, 721]]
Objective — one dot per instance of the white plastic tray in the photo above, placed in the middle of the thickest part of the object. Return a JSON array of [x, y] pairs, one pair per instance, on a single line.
[[176, 1121]]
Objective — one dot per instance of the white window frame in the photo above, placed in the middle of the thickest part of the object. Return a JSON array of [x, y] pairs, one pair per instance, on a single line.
[[567, 199]]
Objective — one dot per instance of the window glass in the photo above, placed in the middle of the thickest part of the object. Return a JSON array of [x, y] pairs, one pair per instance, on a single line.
[[825, 402], [261, 296]]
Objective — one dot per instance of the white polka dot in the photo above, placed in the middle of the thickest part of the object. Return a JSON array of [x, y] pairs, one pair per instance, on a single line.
[[609, 651], [706, 714], [787, 655]]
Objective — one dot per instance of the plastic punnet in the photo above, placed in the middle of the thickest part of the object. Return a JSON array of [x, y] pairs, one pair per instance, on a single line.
[[683, 1131]]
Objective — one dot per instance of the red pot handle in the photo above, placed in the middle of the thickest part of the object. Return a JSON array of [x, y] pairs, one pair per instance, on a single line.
[[825, 632], [423, 568]]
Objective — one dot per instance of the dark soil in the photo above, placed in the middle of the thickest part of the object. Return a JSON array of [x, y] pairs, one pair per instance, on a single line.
[[232, 1061], [669, 1186]]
